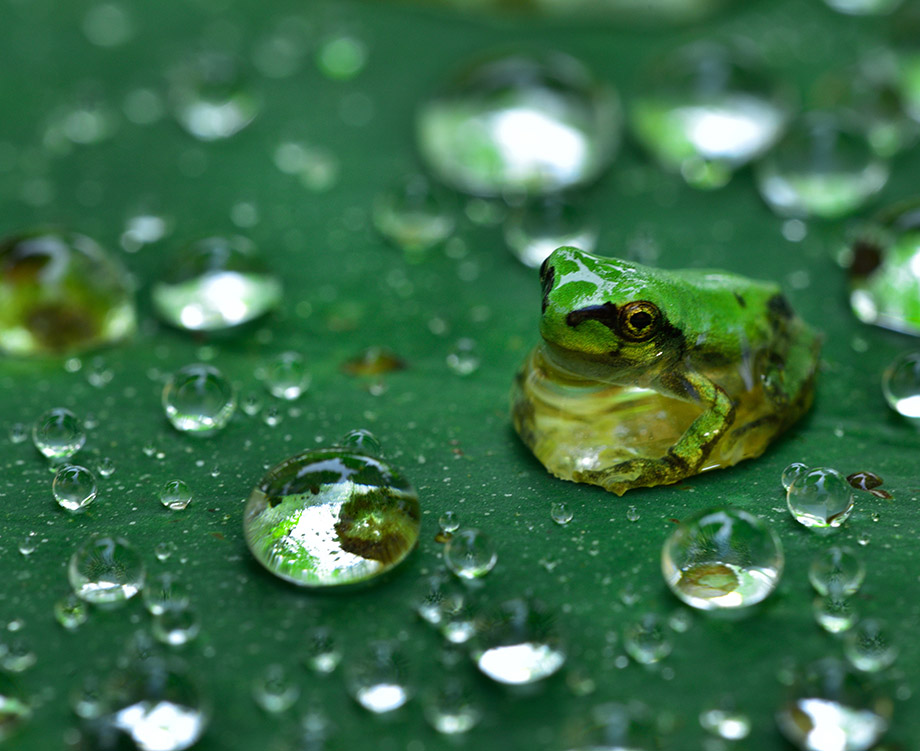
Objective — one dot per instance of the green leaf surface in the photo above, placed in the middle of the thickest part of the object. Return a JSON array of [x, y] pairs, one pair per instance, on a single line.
[[346, 289]]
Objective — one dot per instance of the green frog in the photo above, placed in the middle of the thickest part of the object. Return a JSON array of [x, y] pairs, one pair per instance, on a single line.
[[647, 376]]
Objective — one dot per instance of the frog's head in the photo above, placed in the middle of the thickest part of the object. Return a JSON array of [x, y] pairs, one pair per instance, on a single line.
[[604, 318]]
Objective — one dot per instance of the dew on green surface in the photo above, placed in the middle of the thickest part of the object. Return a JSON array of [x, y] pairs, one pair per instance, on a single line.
[[143, 229], [362, 441], [869, 646], [470, 554], [28, 543], [286, 376], [165, 592], [272, 417], [214, 284], [680, 621], [159, 704], [901, 385], [61, 293], [539, 226], [17, 656], [322, 651], [464, 357], [868, 481], [378, 677], [71, 612], [449, 522], [864, 7], [519, 644], [834, 613], [251, 404], [519, 124], [199, 399], [706, 109], [792, 473], [646, 639], [632, 514], [19, 432], [14, 709], [58, 434], [831, 708], [726, 721], [316, 167], [820, 499], [722, 558], [443, 599], [561, 513], [413, 216], [164, 550], [176, 626], [106, 570], [210, 97], [331, 516], [451, 707], [73, 487], [88, 697], [175, 495], [837, 571], [822, 168], [341, 56], [105, 467]]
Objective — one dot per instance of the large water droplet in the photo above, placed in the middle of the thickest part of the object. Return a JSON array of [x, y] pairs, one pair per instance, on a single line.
[[61, 293], [705, 110], [378, 679], [722, 559], [58, 434], [331, 516], [215, 284], [106, 570], [820, 499], [517, 124], [74, 487], [198, 399]]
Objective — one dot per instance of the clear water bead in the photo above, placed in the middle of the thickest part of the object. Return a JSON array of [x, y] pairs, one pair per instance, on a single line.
[[275, 689], [106, 570], [901, 385], [706, 109], [820, 499], [837, 571], [322, 651], [470, 554], [868, 646], [362, 441], [413, 216], [646, 640], [449, 522], [58, 434], [378, 679], [486, 131], [726, 721], [18, 432], [62, 293], [464, 358], [215, 284], [71, 612], [561, 513], [834, 613], [74, 487], [330, 517], [793, 472], [165, 592], [831, 708], [535, 229], [176, 626], [722, 558], [821, 168], [175, 495], [520, 644], [199, 399], [451, 707], [286, 376]]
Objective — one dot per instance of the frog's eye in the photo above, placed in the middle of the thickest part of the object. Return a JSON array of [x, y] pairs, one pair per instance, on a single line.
[[639, 320]]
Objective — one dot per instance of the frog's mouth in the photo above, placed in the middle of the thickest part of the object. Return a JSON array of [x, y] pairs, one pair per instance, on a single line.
[[610, 367]]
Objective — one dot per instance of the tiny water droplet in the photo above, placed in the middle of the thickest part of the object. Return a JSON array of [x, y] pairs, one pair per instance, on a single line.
[[58, 434], [632, 514], [71, 612], [176, 626], [792, 473], [18, 432], [464, 358], [561, 513], [539, 226], [105, 467], [470, 554], [251, 404], [322, 653], [286, 376], [272, 417], [275, 690], [74, 487], [164, 550], [28, 543], [413, 216], [834, 613], [199, 399], [645, 640], [726, 721], [175, 495], [820, 499], [17, 657], [451, 708], [449, 522], [165, 592]]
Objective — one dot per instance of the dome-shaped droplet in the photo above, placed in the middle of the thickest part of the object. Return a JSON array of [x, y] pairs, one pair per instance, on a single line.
[[413, 216], [722, 558], [378, 679], [837, 571], [792, 473], [331, 516], [706, 109], [646, 639], [901, 385], [214, 284], [60, 293], [198, 399], [470, 554], [106, 570], [175, 495], [820, 499], [519, 124], [74, 487], [286, 376], [870, 646], [58, 434]]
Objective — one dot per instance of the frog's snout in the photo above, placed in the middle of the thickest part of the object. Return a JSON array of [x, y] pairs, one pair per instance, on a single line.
[[547, 277]]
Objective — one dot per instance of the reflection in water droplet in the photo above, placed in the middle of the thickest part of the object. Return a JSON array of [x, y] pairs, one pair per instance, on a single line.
[[275, 690], [164, 550], [834, 613], [820, 499], [322, 651], [451, 707], [362, 441], [378, 679], [449, 522], [71, 612], [105, 467], [722, 558], [106, 570], [413, 216], [901, 385], [645, 640], [792, 473], [518, 124], [286, 376], [331, 516], [28, 543], [216, 283], [61, 293], [539, 226], [58, 434], [868, 646], [74, 487], [165, 592], [561, 513], [175, 495], [198, 399], [470, 554], [837, 571], [632, 514]]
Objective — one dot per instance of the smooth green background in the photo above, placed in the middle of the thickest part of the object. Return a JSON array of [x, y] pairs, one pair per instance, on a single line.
[[346, 289]]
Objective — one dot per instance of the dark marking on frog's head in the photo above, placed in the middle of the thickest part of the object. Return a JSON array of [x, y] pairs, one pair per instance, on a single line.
[[779, 307], [547, 277], [605, 314], [741, 301]]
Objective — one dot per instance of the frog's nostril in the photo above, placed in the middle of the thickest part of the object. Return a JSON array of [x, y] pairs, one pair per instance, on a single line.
[[547, 277]]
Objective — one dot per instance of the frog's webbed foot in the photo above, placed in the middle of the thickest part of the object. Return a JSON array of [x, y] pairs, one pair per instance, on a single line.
[[637, 473]]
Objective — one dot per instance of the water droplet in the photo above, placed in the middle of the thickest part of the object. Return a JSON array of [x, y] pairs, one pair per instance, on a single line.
[[322, 653], [820, 499], [726, 721], [215, 284], [463, 358], [106, 570], [901, 385], [62, 293], [413, 216], [210, 97], [834, 613], [868, 646], [17, 657], [58, 434], [443, 600], [176, 626], [864, 7], [470, 554], [449, 522], [158, 704], [286, 376], [87, 698], [792, 473], [199, 399], [378, 679], [74, 487], [541, 225], [165, 592], [316, 167], [486, 131], [722, 558], [707, 109], [275, 690], [821, 168], [28, 543], [341, 57], [251, 404], [71, 612], [561, 513], [18, 432], [632, 514], [362, 441], [164, 550], [107, 25], [14, 711], [272, 417], [331, 516], [451, 707], [143, 229], [838, 571], [175, 495], [106, 467], [831, 708], [680, 621], [646, 640], [520, 644]]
